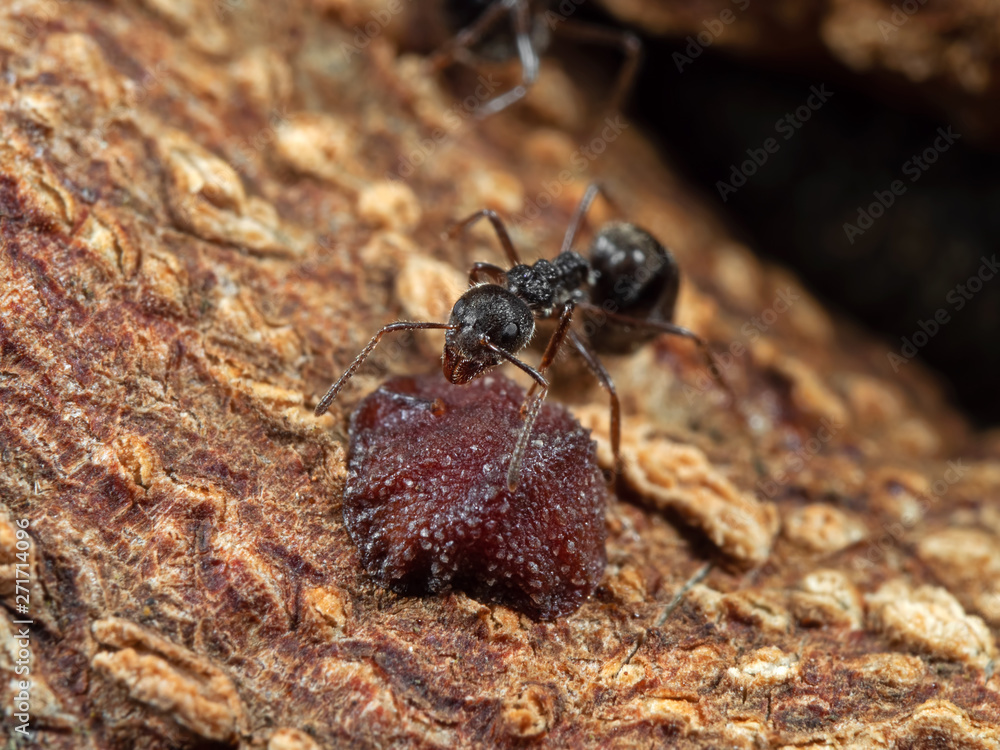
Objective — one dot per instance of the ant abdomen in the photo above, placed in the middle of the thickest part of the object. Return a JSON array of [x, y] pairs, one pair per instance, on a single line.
[[635, 276]]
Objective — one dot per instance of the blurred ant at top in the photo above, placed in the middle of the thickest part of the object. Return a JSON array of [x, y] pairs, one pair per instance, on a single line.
[[501, 30], [626, 288]]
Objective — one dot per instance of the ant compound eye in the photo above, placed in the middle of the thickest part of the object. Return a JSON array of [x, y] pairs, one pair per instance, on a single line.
[[510, 331]]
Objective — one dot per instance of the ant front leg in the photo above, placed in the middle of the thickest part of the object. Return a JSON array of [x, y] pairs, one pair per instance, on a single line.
[[487, 273], [532, 403], [533, 407], [552, 348], [331, 394], [498, 227]]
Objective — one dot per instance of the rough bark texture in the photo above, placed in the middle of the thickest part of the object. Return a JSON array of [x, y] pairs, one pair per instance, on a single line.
[[197, 235]]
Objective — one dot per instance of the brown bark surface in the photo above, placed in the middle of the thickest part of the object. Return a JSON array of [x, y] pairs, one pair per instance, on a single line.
[[197, 235]]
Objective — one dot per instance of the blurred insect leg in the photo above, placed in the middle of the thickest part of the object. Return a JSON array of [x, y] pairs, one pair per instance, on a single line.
[[629, 43], [529, 64], [470, 34], [579, 214], [501, 230]]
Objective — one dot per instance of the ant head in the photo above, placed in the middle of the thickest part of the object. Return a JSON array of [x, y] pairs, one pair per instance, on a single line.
[[485, 313]]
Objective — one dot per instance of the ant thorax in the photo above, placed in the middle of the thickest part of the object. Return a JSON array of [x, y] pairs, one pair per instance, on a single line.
[[546, 286]]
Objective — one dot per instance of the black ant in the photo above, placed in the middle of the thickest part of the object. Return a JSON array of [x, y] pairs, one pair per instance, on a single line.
[[628, 287], [476, 26]]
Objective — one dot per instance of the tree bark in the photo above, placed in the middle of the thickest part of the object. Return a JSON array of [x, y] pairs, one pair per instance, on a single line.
[[205, 212]]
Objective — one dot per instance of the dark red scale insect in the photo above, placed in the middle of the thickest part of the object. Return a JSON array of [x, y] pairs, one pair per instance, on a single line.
[[627, 287], [426, 499]]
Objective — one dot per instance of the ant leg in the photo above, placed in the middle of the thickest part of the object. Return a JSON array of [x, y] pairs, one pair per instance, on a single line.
[[676, 330], [501, 230], [629, 43], [487, 273], [529, 64], [552, 348], [513, 472], [331, 394], [533, 404], [592, 191], [470, 34], [595, 366], [578, 215]]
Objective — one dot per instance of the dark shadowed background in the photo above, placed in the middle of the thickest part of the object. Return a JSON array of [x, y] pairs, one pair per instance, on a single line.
[[912, 261]]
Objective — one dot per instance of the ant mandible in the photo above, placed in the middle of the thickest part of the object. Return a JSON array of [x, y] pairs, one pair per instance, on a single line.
[[474, 24], [629, 284]]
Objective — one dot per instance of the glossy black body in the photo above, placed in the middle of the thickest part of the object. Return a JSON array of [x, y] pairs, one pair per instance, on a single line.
[[633, 275], [628, 273]]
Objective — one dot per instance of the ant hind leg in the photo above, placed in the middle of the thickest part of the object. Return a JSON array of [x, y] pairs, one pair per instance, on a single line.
[[604, 378], [676, 330]]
